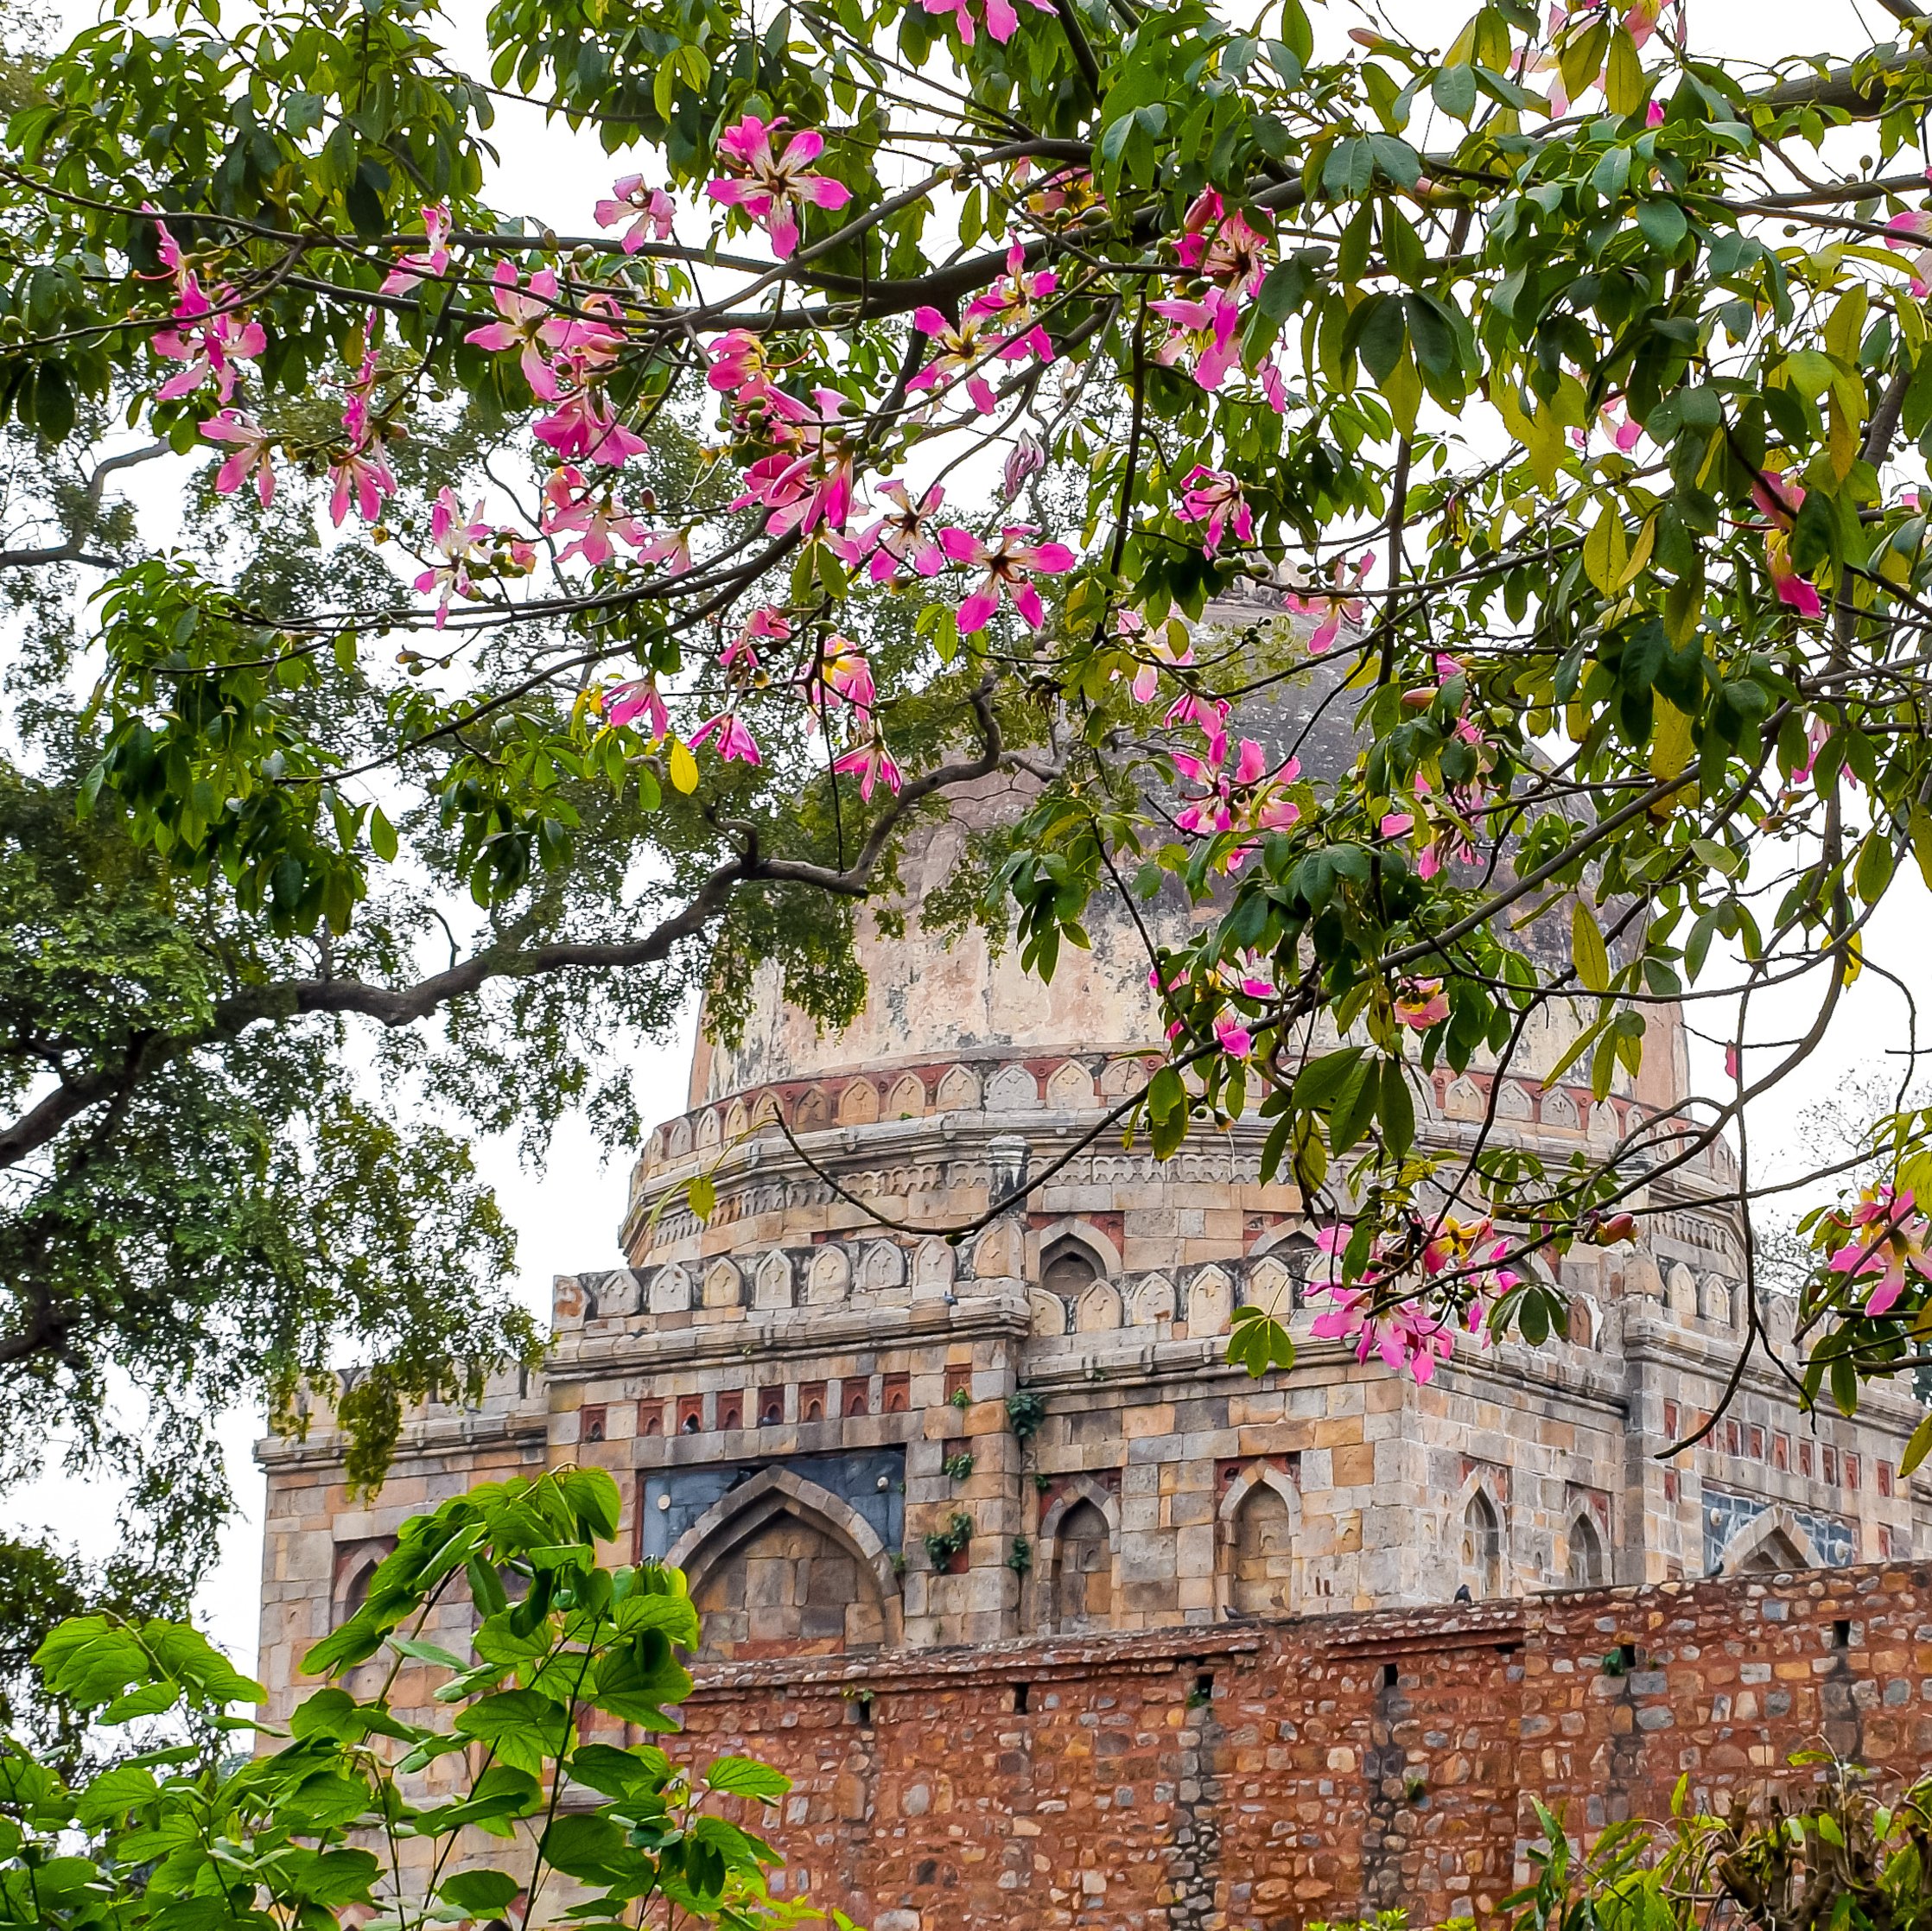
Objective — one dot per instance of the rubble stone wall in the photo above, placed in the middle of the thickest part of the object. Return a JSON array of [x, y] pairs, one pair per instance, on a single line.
[[1276, 1774]]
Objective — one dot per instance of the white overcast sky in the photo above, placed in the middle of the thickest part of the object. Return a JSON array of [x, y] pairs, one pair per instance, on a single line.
[[566, 1216]]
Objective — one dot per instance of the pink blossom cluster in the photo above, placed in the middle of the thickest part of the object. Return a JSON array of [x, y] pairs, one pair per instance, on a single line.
[[1338, 603], [206, 338], [464, 544], [771, 185], [1000, 324], [1459, 1276], [1240, 791], [1224, 259], [1883, 1246], [1001, 20], [566, 345]]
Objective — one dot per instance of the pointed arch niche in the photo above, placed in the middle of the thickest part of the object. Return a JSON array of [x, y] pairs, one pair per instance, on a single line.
[[1480, 1553], [1079, 1536], [1771, 1544], [782, 1567], [1260, 1517]]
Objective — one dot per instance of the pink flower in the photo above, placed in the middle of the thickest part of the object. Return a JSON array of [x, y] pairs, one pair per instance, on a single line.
[[672, 548], [1026, 458], [1408, 1338], [874, 762], [655, 212], [1213, 497], [1906, 232], [1421, 1003], [459, 542], [571, 504], [807, 480], [1817, 734], [741, 655], [1007, 309], [411, 269], [1781, 499], [1203, 329], [172, 262], [1001, 22], [1885, 1246], [523, 316], [1623, 433], [1653, 115], [1208, 716], [251, 444], [771, 188], [361, 391], [1155, 652], [1233, 1037], [1335, 608], [904, 536], [209, 343], [1641, 20], [960, 352], [581, 429], [637, 698], [363, 476], [1224, 249], [738, 364], [733, 739], [838, 674], [1065, 189], [1009, 568]]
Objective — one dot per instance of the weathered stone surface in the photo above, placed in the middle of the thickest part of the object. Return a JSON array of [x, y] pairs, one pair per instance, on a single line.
[[804, 1398]]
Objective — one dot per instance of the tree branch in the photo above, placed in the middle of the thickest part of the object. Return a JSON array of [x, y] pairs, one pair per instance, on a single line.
[[73, 549], [397, 1007]]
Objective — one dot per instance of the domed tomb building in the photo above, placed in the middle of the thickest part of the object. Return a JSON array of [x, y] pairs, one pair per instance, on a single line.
[[852, 1434]]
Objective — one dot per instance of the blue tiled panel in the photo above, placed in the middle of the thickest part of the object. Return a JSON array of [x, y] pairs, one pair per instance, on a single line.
[[854, 1479], [1735, 1513]]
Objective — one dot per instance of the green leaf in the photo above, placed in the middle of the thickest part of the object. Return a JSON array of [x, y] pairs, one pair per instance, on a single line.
[[1453, 89], [1397, 1108], [1623, 83], [523, 1727], [1355, 1106], [1916, 1449], [744, 1776], [1587, 950], [479, 1893], [1664, 225]]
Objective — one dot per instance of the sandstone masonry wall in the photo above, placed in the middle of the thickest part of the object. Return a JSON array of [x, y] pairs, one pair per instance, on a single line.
[[1273, 1774]]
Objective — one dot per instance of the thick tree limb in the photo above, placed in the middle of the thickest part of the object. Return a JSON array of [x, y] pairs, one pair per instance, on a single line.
[[397, 1007], [1841, 87], [73, 549]]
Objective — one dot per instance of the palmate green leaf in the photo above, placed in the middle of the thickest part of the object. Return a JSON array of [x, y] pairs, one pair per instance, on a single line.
[[479, 1893], [637, 1679], [744, 1776], [673, 1615], [520, 1726], [593, 1850]]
